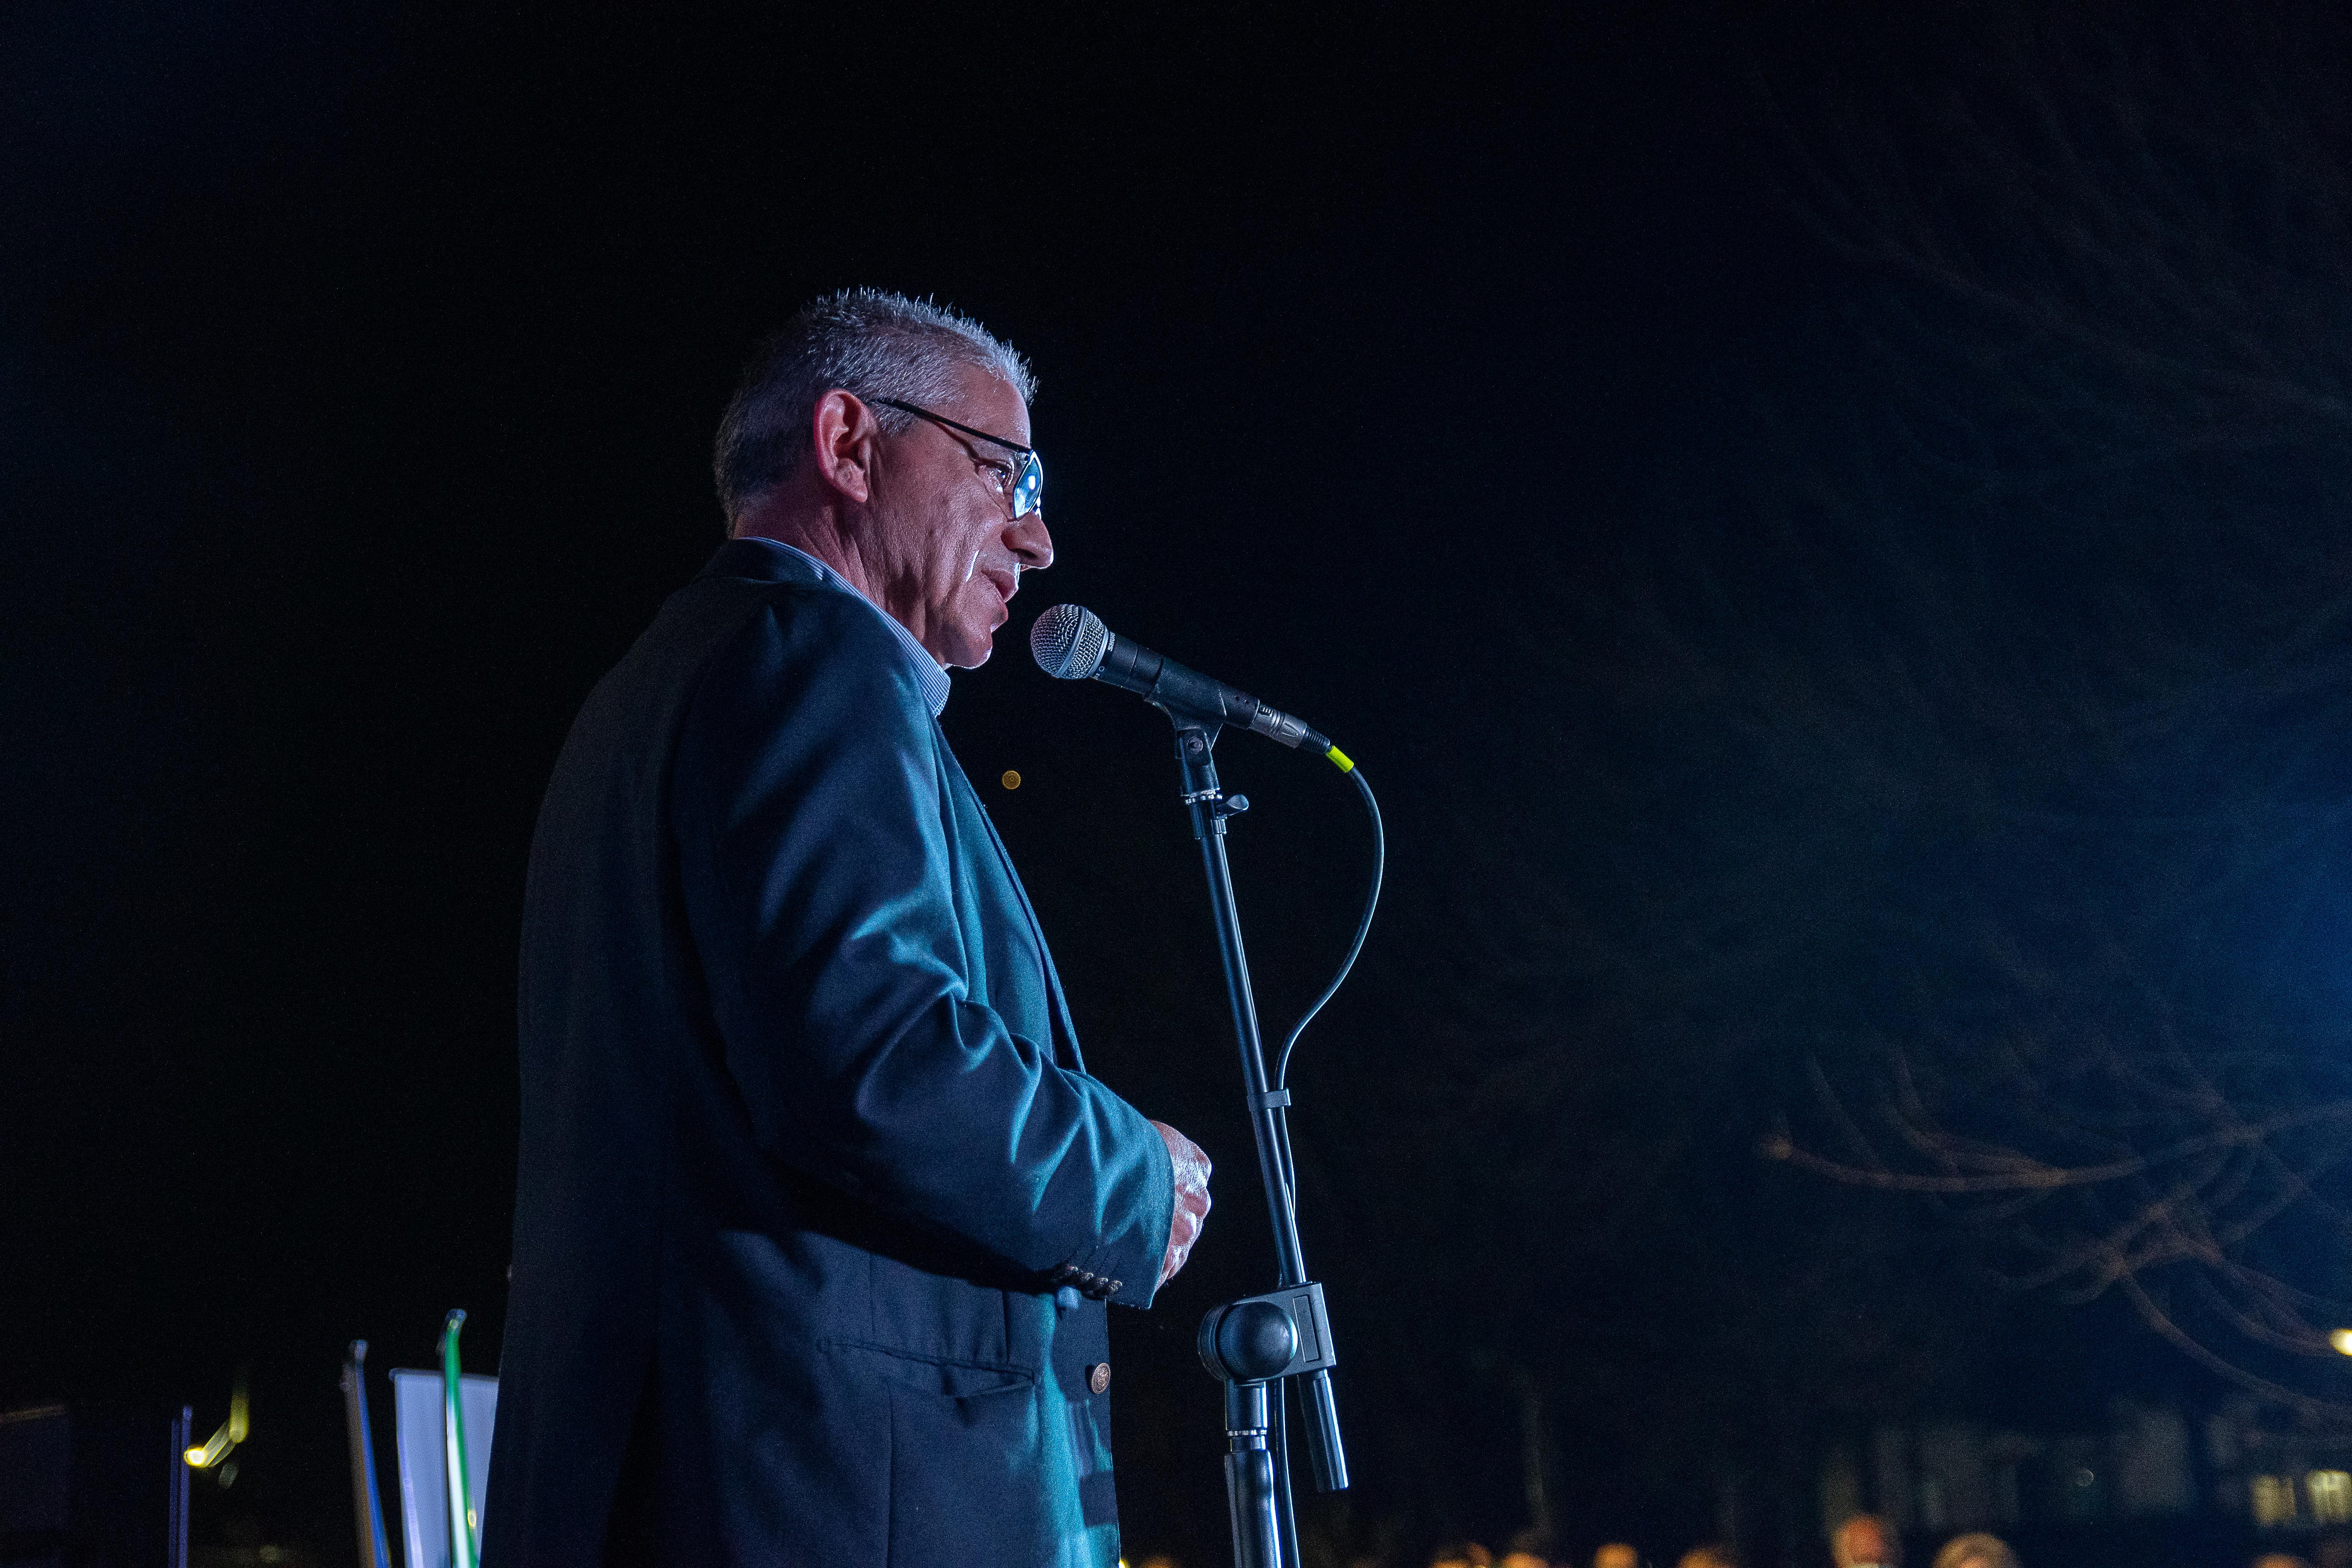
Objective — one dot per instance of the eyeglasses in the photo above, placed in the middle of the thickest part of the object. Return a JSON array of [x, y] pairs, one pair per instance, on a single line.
[[1017, 486]]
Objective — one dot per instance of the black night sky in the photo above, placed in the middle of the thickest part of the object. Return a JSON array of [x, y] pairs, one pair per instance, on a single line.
[[1827, 534]]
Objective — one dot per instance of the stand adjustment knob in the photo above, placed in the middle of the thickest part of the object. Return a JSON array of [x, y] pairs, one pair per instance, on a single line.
[[1248, 1342]]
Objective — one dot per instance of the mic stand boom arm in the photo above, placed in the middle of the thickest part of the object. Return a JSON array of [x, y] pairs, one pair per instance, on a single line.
[[1254, 1344]]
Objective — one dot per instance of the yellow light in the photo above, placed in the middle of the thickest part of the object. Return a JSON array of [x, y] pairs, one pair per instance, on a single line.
[[1011, 780], [215, 1449], [233, 1431], [2342, 1339], [2273, 1500]]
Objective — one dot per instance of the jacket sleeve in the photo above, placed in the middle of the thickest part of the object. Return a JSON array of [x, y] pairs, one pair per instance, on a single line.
[[807, 800]]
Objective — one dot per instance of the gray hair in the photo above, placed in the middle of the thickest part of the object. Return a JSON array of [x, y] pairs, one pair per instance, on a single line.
[[868, 341]]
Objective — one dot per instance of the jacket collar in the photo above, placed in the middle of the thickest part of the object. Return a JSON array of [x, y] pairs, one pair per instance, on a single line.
[[771, 561], [762, 561]]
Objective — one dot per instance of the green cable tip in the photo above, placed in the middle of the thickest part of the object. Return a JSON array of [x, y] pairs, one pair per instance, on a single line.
[[1341, 760]]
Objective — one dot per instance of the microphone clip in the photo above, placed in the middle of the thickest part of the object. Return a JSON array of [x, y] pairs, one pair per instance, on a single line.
[[1221, 804], [1196, 758]]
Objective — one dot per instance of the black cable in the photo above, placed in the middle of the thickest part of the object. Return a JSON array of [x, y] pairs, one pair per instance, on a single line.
[[1285, 1170], [1363, 926]]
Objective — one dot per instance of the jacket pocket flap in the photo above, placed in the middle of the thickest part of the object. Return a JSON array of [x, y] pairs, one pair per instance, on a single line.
[[935, 1375]]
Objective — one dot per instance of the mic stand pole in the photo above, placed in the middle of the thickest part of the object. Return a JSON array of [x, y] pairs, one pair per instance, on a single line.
[[1254, 1344]]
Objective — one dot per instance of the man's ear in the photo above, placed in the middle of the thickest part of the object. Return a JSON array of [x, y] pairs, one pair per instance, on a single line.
[[846, 434]]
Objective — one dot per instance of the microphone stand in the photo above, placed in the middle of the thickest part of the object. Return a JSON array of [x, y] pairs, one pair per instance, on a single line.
[[1256, 1344]]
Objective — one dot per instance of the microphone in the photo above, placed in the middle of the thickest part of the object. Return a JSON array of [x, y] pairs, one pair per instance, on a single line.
[[1070, 643]]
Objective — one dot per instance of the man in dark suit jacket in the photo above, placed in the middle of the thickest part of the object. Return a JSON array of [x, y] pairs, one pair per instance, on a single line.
[[818, 1207]]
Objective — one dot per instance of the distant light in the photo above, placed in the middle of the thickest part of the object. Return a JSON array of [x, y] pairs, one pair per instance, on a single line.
[[1013, 781], [223, 1443], [2341, 1339], [217, 1448], [2273, 1500]]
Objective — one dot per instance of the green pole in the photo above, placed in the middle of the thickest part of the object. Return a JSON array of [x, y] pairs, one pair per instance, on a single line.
[[463, 1530]]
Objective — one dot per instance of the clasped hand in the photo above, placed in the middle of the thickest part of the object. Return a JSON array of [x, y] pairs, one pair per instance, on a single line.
[[1192, 1198]]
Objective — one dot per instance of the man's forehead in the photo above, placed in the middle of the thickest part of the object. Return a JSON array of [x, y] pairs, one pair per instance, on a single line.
[[991, 403]]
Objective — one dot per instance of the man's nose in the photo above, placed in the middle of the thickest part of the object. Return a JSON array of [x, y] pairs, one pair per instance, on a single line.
[[1030, 543]]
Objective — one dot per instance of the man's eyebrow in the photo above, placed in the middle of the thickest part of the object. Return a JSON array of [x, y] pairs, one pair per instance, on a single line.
[[962, 430], [1005, 444], [996, 442], [981, 448]]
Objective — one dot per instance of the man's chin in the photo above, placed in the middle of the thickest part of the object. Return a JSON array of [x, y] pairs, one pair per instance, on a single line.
[[977, 638], [974, 653]]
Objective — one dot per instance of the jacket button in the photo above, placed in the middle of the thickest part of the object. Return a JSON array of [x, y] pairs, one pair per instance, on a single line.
[[1098, 1377]]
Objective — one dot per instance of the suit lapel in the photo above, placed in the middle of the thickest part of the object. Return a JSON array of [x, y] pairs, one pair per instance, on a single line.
[[1057, 1008]]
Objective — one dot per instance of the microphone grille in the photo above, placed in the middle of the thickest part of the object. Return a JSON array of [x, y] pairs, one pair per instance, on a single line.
[[1068, 642]]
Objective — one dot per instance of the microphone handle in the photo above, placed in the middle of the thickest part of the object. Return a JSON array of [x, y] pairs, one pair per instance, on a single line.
[[1168, 684]]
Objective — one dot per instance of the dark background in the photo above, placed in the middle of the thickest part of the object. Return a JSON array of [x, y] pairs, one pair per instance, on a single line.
[[1489, 385]]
